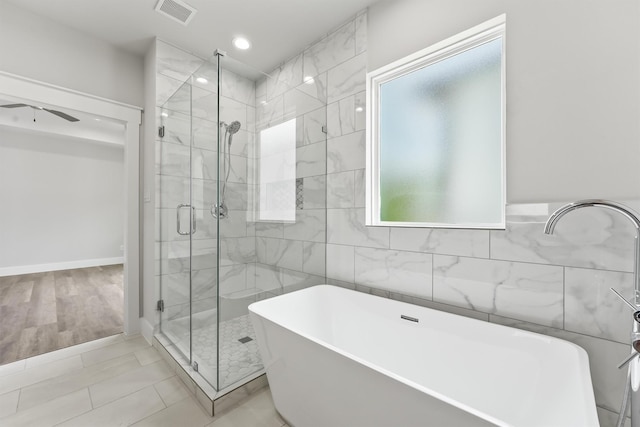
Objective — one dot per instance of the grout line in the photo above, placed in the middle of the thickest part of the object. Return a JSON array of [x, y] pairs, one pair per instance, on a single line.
[[91, 398], [18, 401]]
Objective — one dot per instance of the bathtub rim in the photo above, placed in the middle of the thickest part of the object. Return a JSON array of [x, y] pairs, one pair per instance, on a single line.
[[583, 358]]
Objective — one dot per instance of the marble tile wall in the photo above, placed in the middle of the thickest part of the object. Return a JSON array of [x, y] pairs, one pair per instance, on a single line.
[[292, 255], [556, 285]]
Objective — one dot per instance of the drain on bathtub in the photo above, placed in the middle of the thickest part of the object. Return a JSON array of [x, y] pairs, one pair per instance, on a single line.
[[245, 340]]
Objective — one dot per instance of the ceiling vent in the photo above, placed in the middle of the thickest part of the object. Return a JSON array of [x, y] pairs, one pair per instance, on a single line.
[[176, 10]]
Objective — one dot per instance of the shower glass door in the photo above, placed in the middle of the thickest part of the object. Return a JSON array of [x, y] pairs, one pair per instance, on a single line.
[[242, 207], [176, 219], [204, 243], [188, 231]]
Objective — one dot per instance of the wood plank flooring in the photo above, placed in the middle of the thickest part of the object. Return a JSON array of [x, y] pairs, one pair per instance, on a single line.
[[42, 312]]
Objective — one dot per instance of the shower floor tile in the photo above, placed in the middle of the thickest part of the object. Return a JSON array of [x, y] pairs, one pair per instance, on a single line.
[[239, 354]]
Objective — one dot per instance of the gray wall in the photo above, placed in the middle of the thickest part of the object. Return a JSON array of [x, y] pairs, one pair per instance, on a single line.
[[41, 49], [573, 86]]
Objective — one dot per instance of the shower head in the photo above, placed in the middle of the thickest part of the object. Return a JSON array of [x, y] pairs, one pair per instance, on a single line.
[[233, 127]]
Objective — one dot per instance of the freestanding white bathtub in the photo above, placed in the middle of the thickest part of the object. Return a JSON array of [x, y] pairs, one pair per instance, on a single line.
[[341, 358]]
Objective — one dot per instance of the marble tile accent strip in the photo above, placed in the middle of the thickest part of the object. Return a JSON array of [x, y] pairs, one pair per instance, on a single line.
[[529, 292]]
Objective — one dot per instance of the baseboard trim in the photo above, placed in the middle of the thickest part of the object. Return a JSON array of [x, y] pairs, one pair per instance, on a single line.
[[39, 268]]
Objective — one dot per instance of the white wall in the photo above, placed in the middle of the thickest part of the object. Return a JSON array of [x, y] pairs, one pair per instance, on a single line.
[[573, 86], [38, 48], [62, 199]]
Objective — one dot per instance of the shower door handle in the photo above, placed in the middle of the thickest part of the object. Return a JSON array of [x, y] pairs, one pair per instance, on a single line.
[[193, 220]]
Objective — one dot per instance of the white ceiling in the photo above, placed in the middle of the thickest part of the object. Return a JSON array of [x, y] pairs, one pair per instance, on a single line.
[[278, 29]]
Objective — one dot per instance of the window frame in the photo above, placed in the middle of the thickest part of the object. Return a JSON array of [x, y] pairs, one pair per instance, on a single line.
[[459, 43]]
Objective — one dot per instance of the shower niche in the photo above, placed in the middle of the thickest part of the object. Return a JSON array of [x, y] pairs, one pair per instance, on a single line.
[[229, 230]]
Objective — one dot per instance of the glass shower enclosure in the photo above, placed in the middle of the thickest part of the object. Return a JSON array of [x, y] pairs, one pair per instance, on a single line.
[[241, 208]]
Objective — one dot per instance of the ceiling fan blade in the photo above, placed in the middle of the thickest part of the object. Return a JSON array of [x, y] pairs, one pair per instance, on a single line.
[[63, 115], [15, 105]]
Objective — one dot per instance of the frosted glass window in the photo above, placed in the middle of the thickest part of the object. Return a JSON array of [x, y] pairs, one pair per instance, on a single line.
[[277, 160], [438, 142]]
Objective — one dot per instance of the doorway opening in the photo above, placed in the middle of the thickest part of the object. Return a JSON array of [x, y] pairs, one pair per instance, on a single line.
[[61, 257], [84, 187]]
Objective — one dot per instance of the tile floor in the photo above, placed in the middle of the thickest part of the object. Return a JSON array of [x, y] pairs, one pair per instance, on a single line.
[[114, 381]]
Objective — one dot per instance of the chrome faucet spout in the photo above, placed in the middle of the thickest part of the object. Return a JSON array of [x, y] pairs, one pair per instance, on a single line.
[[555, 217], [634, 367], [620, 208]]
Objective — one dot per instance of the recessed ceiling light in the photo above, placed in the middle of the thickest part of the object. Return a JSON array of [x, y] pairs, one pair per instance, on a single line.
[[241, 43], [202, 80], [359, 109], [308, 80], [164, 114]]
